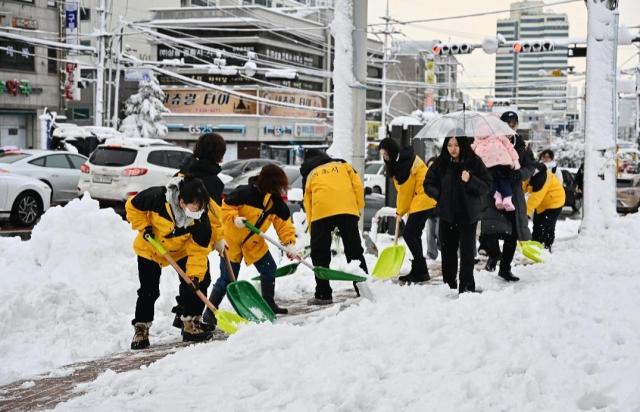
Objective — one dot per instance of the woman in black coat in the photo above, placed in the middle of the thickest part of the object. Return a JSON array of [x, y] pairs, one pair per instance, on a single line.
[[458, 181]]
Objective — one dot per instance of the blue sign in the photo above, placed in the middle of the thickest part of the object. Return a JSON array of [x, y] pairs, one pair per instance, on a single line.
[[71, 17]]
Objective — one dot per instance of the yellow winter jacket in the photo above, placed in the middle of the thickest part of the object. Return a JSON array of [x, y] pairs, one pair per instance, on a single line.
[[411, 196], [544, 196], [333, 188], [150, 208], [261, 211]]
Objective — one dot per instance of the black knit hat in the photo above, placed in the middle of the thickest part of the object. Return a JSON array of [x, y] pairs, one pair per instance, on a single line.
[[391, 146], [509, 116]]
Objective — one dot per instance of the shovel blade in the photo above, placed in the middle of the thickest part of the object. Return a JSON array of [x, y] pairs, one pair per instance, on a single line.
[[532, 250], [248, 303], [389, 263], [229, 322], [332, 274], [285, 270]]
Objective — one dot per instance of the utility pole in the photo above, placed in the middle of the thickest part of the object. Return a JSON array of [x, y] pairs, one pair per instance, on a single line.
[[99, 90], [116, 91], [600, 116], [382, 131], [359, 107]]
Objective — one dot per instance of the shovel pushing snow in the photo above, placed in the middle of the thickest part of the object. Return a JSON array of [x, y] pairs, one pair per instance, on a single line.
[[228, 322], [531, 250], [320, 272], [391, 259]]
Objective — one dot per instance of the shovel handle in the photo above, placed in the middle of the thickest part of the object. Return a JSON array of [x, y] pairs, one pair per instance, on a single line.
[[275, 243], [398, 220], [232, 275], [178, 269]]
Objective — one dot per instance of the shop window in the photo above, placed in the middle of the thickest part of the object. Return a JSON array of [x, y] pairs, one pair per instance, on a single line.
[[17, 55]]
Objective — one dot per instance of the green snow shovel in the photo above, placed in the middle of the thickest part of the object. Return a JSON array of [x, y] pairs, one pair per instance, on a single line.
[[320, 272], [288, 269], [391, 259], [531, 250], [245, 299], [228, 322]]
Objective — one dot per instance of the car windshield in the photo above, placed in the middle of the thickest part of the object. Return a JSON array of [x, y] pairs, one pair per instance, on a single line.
[[372, 168], [292, 174], [625, 183], [113, 156], [231, 165], [12, 157]]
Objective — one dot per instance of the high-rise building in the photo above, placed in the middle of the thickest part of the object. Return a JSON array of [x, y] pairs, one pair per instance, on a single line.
[[519, 76]]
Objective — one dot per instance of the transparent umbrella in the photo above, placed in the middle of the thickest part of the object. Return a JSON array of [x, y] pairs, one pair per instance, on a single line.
[[472, 124]]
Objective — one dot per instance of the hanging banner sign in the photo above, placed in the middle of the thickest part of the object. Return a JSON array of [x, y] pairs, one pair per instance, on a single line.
[[71, 22], [299, 99]]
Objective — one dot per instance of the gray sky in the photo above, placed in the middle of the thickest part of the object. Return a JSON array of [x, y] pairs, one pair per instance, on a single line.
[[479, 67]]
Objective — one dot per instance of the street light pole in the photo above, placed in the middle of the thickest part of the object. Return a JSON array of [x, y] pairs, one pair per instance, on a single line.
[[600, 116], [99, 97]]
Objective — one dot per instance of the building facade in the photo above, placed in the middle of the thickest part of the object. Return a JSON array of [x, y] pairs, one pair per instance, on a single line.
[[30, 75], [518, 75]]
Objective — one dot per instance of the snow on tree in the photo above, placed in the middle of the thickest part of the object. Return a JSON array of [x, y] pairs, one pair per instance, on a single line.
[[144, 111]]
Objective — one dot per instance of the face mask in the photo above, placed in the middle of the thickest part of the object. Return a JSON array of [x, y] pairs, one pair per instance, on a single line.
[[193, 215]]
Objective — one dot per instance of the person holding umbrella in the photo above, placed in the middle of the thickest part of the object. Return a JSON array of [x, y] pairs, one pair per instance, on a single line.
[[512, 226], [407, 172], [458, 181]]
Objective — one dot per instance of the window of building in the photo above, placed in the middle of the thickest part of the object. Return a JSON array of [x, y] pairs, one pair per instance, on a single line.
[[16, 55], [52, 62], [85, 13]]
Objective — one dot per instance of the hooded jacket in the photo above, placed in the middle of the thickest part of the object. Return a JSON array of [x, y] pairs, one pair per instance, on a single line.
[[151, 208], [496, 151], [331, 187], [261, 210], [208, 172], [546, 192]]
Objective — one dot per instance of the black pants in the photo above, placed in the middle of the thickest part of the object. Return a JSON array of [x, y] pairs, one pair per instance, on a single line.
[[321, 246], [544, 226], [453, 237], [412, 233], [149, 275], [492, 244]]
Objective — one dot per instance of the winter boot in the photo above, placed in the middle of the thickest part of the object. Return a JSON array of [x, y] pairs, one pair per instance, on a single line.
[[208, 318], [419, 272], [318, 301], [193, 330], [177, 322], [141, 336], [498, 197], [492, 262], [507, 203], [268, 288], [508, 276]]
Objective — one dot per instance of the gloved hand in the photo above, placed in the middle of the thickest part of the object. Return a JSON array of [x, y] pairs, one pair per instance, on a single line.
[[147, 231], [196, 283], [220, 246], [239, 221], [292, 251]]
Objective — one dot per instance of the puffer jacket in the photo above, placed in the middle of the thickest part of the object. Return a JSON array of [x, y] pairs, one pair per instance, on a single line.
[[261, 210], [496, 151], [331, 187], [150, 208], [409, 172], [546, 192]]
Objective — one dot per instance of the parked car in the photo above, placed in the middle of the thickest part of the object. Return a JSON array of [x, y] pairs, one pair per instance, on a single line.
[[292, 172], [23, 199], [59, 170], [628, 193], [121, 168], [374, 176], [573, 198], [235, 168]]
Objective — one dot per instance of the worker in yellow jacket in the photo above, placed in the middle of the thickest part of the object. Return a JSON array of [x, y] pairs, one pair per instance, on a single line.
[[545, 202], [259, 203], [175, 216], [333, 198], [407, 171]]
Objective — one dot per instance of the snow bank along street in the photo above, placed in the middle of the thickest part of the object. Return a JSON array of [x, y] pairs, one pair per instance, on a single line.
[[564, 338]]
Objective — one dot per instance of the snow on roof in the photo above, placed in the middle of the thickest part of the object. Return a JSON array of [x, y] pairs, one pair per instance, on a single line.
[[405, 121], [136, 141], [69, 131], [201, 20]]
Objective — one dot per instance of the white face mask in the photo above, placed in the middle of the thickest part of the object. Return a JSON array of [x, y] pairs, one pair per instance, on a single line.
[[193, 215]]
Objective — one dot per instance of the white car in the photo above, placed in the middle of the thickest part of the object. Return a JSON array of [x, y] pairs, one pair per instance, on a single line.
[[374, 177], [59, 170], [121, 168], [23, 199]]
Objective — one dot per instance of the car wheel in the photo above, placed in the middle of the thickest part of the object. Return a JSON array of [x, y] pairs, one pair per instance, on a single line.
[[577, 205], [27, 208], [376, 189]]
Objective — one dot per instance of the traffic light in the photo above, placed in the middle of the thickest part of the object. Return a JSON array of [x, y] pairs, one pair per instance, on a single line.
[[443, 49], [532, 46]]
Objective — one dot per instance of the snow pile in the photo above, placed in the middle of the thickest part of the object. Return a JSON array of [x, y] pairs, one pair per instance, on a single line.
[[405, 122], [341, 29], [563, 338]]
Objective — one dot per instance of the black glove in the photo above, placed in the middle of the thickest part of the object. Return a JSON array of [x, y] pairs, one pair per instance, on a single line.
[[147, 231], [196, 283]]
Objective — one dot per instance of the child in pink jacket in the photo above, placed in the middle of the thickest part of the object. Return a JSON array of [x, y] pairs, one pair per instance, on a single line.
[[500, 158]]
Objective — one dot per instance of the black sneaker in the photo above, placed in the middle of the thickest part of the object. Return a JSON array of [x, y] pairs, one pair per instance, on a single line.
[[508, 276]]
